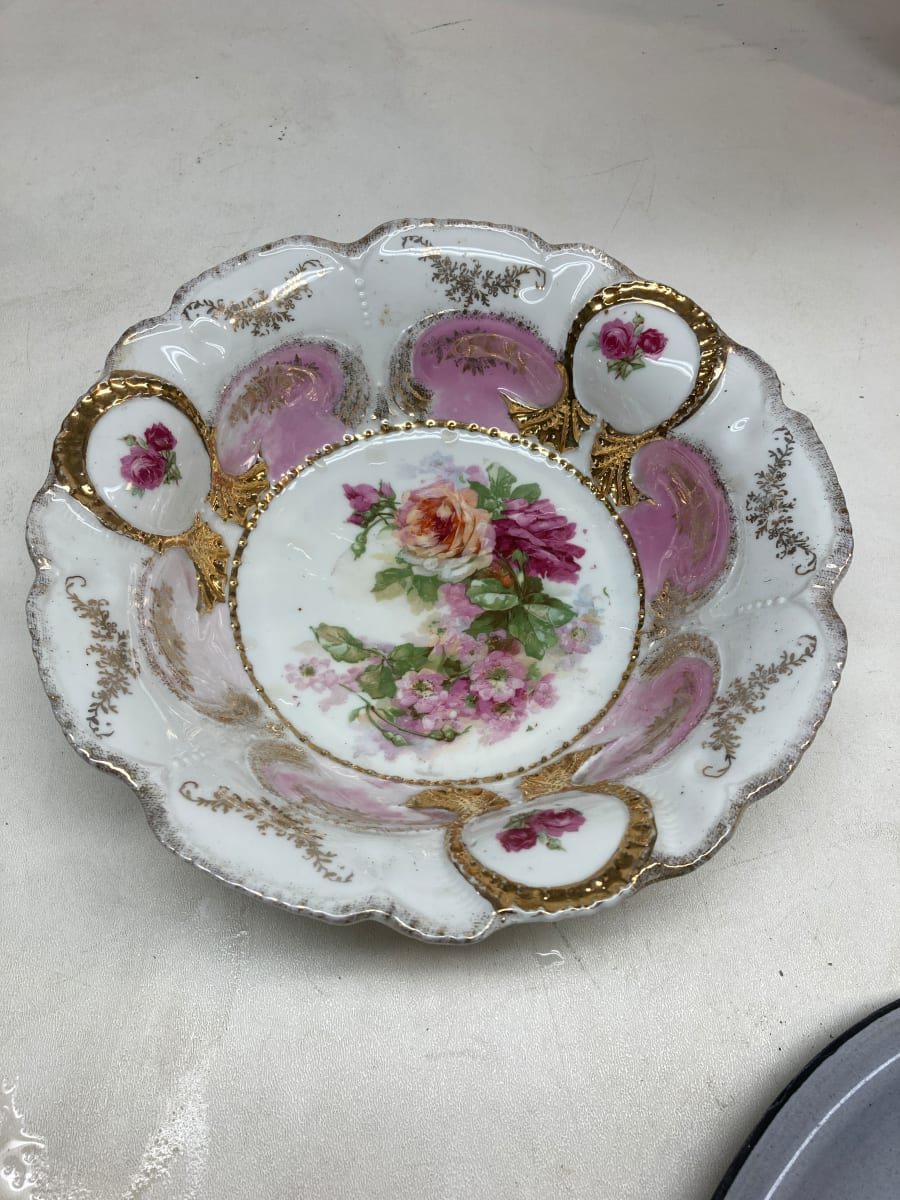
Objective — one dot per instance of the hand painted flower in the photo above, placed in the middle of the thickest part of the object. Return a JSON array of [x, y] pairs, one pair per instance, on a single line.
[[544, 693], [556, 821], [617, 339], [652, 342], [498, 677], [575, 638], [421, 690], [143, 469], [160, 437], [443, 532], [520, 838], [543, 535], [361, 496]]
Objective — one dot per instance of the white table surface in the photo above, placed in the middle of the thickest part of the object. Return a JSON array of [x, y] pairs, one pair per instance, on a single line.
[[171, 1038]]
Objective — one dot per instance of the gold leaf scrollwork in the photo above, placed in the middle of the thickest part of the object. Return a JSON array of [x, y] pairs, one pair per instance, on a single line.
[[743, 697], [111, 651], [560, 424], [232, 496], [294, 826], [465, 802], [209, 555], [611, 456]]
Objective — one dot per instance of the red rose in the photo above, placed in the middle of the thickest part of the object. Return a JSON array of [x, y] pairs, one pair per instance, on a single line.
[[652, 342], [556, 821], [160, 437], [144, 469], [617, 340], [542, 534], [522, 837]]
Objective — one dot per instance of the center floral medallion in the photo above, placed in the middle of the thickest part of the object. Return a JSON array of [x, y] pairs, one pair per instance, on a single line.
[[436, 603]]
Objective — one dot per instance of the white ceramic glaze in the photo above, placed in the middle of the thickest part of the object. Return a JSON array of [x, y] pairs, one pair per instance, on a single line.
[[444, 677]]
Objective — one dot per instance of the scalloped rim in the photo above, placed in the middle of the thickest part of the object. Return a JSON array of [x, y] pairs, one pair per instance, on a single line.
[[153, 796]]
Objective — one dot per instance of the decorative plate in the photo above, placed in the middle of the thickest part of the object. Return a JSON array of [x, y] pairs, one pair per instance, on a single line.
[[448, 578], [832, 1133]]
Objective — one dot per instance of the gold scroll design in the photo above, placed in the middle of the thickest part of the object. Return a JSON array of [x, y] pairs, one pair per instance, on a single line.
[[559, 425], [616, 875], [291, 824], [231, 496], [563, 423]]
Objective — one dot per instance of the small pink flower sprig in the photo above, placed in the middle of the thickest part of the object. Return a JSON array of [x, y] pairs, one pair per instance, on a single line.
[[150, 461], [626, 345], [547, 826]]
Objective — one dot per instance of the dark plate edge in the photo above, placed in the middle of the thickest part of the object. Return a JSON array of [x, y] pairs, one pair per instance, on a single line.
[[756, 1136]]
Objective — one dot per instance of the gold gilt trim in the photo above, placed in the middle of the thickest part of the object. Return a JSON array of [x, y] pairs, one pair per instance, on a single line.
[[230, 496], [559, 425], [745, 696], [617, 874], [295, 827], [465, 802], [111, 650], [613, 450], [349, 439], [557, 776]]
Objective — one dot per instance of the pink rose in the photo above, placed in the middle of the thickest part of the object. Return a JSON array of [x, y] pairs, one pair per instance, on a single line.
[[652, 342], [520, 838], [361, 497], [556, 821], [542, 534], [617, 339], [443, 532], [160, 437], [143, 469]]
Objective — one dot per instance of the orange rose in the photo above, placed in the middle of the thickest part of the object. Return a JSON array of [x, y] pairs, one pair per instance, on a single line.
[[443, 532]]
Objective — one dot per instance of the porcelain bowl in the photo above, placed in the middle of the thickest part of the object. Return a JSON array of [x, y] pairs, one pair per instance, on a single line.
[[447, 578]]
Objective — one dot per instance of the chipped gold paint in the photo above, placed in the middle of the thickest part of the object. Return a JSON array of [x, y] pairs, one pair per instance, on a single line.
[[349, 439], [619, 873], [228, 494]]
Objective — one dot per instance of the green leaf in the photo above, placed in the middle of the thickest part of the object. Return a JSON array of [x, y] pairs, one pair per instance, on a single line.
[[535, 634], [491, 594], [130, 440], [391, 576], [483, 493], [526, 491], [396, 739], [340, 643], [358, 545], [487, 622], [549, 609], [553, 843], [502, 481], [377, 681], [407, 657], [425, 587]]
